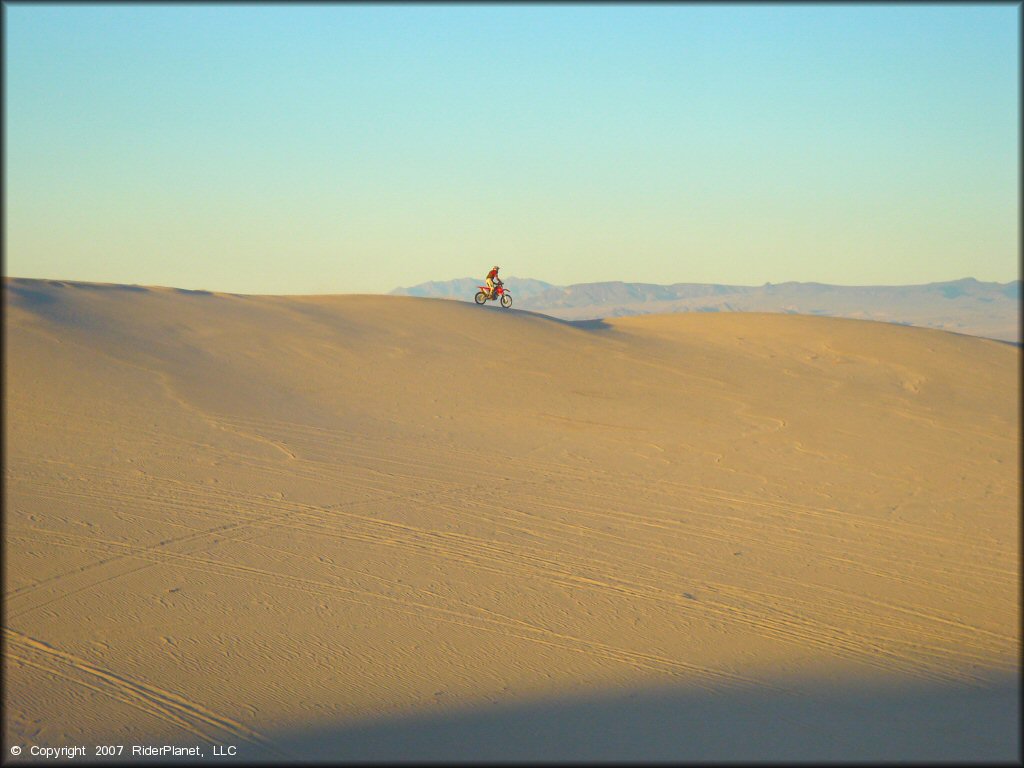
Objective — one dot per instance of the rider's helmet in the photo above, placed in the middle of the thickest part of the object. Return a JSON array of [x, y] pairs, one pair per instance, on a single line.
[[495, 268]]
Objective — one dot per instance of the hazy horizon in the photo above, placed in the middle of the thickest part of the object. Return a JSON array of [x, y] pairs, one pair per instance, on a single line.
[[320, 149], [512, 278], [746, 284]]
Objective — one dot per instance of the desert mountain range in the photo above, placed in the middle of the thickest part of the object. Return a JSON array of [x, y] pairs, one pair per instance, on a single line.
[[963, 306], [359, 528]]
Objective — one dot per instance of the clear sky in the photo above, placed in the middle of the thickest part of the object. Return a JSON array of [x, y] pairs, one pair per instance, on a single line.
[[341, 148]]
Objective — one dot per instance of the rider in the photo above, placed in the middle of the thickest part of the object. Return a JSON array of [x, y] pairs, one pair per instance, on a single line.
[[492, 280]]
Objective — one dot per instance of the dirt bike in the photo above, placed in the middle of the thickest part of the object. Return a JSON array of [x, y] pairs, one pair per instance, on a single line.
[[499, 292]]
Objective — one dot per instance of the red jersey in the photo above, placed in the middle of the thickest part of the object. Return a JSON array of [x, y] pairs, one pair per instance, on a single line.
[[492, 275]]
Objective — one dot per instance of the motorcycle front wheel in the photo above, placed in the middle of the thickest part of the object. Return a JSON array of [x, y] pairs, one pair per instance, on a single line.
[[480, 297], [506, 300]]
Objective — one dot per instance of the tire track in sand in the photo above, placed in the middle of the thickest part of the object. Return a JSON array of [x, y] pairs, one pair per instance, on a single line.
[[176, 710], [503, 626]]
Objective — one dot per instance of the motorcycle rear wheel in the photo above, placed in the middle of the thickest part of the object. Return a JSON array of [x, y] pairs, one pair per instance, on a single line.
[[480, 297]]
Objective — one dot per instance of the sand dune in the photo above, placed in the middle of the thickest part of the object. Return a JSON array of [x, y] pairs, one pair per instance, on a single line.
[[398, 528]]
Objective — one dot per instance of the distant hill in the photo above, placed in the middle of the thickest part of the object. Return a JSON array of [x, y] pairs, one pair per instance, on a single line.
[[963, 306]]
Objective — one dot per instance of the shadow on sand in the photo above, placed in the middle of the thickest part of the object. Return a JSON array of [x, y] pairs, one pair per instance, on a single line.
[[33, 294], [588, 325], [810, 722], [598, 324]]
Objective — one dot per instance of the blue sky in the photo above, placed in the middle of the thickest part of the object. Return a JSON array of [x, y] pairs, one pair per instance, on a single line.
[[342, 148]]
